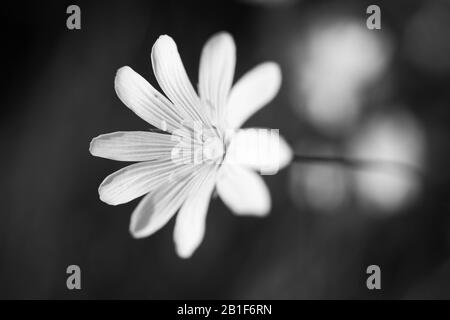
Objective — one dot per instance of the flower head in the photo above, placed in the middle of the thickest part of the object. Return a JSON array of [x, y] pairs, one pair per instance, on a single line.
[[199, 146]]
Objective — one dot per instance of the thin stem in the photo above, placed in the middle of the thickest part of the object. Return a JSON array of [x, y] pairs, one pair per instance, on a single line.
[[358, 164]]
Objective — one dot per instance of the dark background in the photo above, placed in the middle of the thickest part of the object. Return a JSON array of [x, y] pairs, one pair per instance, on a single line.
[[57, 94]]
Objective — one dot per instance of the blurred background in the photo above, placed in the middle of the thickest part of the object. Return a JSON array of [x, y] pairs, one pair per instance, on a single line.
[[347, 90]]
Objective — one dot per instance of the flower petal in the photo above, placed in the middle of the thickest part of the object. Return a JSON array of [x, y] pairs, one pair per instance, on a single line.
[[173, 80], [156, 209], [133, 146], [144, 100], [217, 64], [243, 191], [260, 149], [138, 179], [190, 223], [254, 90]]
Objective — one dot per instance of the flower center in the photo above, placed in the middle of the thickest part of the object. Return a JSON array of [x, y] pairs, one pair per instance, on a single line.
[[213, 149]]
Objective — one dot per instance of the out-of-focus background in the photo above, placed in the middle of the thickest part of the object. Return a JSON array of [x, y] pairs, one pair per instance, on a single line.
[[347, 90]]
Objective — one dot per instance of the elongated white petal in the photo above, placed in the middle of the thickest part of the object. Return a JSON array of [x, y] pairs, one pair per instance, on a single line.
[[138, 179], [173, 80], [243, 191], [133, 146], [190, 223], [217, 64], [144, 100], [156, 209], [260, 149], [255, 89]]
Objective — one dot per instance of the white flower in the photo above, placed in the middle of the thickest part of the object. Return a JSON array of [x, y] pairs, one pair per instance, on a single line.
[[200, 146]]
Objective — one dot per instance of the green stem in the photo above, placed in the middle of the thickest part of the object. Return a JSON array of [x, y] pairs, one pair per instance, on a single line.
[[359, 164]]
